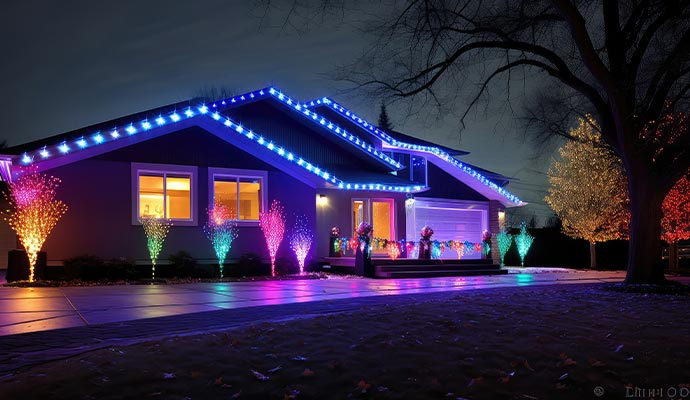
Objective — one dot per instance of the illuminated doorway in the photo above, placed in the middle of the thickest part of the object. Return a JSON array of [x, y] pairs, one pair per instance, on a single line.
[[379, 213]]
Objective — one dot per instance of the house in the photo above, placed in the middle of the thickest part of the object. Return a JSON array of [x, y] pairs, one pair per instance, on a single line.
[[317, 158]]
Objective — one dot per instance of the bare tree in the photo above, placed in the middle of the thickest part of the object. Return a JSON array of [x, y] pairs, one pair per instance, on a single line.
[[627, 62], [210, 94]]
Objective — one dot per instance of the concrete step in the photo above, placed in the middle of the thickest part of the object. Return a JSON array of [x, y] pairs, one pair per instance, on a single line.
[[440, 267], [414, 261], [430, 273]]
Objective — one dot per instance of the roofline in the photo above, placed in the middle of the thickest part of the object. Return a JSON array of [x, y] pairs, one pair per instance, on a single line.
[[326, 124], [366, 125], [43, 154], [216, 124], [388, 142], [462, 172]]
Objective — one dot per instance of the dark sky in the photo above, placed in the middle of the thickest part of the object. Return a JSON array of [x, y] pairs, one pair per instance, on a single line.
[[70, 64]]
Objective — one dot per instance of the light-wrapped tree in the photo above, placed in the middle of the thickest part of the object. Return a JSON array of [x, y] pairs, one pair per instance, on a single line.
[[301, 240], [505, 240], [523, 241], [221, 230], [588, 189], [675, 224], [34, 212], [272, 224], [156, 230]]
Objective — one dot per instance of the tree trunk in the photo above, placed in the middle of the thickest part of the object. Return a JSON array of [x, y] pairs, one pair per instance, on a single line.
[[592, 255], [644, 255]]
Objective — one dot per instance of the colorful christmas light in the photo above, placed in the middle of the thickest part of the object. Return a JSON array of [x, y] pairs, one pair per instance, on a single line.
[[505, 240], [156, 229], [302, 109], [523, 241], [459, 248], [675, 224], [273, 226], [336, 130], [35, 212], [221, 230], [588, 188], [436, 249], [393, 250], [301, 240]]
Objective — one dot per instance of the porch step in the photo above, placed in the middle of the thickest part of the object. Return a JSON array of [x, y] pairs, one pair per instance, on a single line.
[[431, 263], [437, 267], [428, 270], [430, 273]]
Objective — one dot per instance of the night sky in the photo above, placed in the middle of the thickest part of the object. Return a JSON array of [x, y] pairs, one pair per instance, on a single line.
[[70, 64]]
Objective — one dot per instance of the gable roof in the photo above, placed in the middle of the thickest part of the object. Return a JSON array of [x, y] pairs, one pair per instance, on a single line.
[[97, 139], [104, 137], [376, 131], [479, 179]]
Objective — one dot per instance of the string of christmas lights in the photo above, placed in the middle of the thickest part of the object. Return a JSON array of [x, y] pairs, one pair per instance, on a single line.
[[221, 230], [675, 224], [588, 187], [461, 248], [505, 240], [34, 212], [301, 240], [156, 230], [272, 225], [523, 241]]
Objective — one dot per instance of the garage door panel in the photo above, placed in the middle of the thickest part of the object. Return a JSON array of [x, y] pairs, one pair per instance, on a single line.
[[461, 221]]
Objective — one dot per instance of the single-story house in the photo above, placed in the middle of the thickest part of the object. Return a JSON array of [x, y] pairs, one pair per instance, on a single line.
[[317, 158]]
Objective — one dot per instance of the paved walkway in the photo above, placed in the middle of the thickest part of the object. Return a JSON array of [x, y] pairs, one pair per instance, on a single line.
[[40, 324]]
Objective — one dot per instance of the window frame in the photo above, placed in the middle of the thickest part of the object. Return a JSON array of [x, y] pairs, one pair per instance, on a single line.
[[238, 174], [138, 169]]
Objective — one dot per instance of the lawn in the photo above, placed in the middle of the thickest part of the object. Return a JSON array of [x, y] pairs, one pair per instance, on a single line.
[[543, 342]]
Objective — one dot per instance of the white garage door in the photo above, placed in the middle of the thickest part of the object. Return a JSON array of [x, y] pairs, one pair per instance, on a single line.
[[450, 220]]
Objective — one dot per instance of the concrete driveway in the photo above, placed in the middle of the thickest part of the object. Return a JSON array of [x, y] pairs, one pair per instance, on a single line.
[[25, 310]]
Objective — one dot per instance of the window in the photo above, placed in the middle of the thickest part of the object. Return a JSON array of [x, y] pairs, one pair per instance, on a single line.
[[242, 192], [164, 191], [360, 213]]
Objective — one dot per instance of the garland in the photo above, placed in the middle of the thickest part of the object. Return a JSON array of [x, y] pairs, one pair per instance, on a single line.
[[412, 247]]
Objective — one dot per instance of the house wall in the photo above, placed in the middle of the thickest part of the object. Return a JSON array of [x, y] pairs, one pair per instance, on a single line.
[[8, 239], [495, 227], [98, 192]]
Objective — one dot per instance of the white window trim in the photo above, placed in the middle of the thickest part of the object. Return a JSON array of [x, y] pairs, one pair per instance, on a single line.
[[191, 171], [239, 173]]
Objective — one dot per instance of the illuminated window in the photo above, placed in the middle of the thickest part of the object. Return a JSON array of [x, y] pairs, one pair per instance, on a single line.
[[164, 191], [242, 192]]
